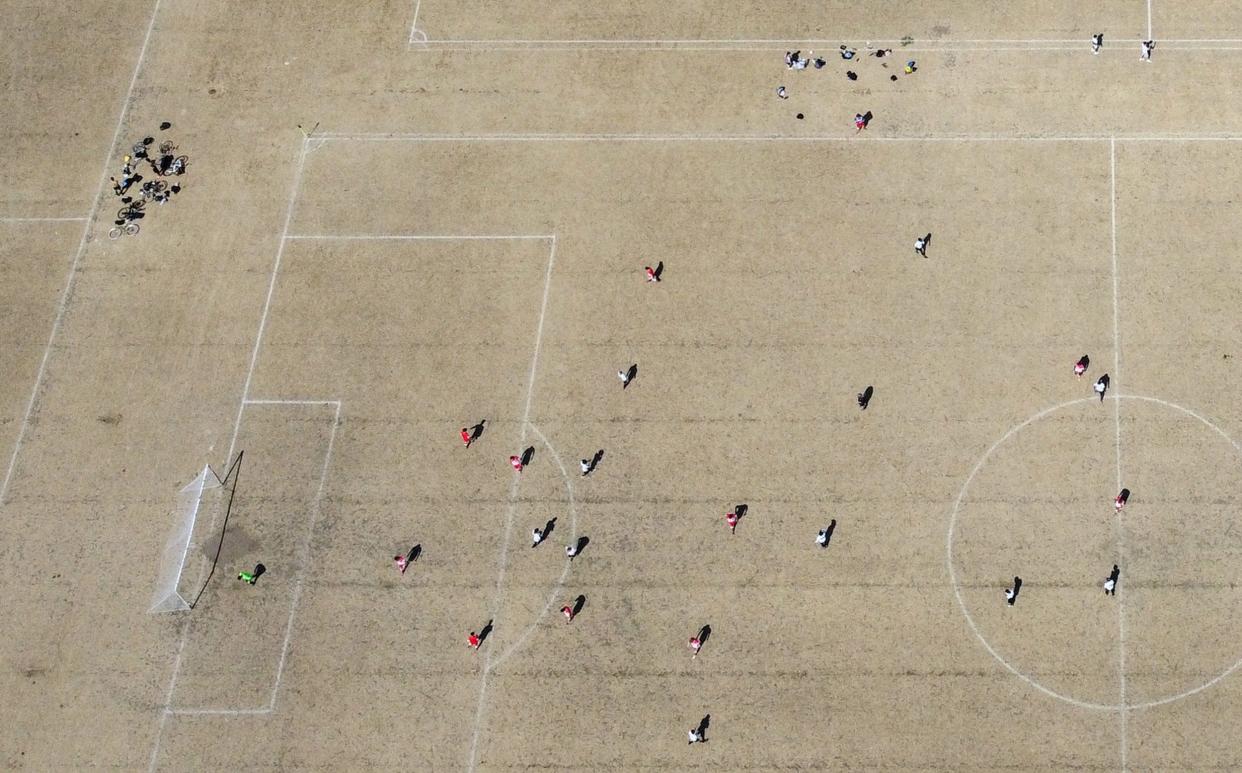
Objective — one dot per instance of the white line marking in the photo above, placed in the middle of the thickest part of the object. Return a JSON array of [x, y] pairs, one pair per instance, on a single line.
[[1120, 525], [760, 44], [414, 24], [271, 289], [218, 712], [337, 403], [573, 538], [304, 556], [534, 360], [71, 281], [974, 628], [185, 630], [168, 694], [417, 237], [44, 219], [501, 137], [842, 137], [503, 562]]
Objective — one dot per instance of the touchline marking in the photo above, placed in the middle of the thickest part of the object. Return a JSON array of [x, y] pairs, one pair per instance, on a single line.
[[414, 24], [537, 137], [503, 562], [71, 280], [418, 237], [337, 403], [46, 219], [1120, 525], [1149, 35], [957, 588]]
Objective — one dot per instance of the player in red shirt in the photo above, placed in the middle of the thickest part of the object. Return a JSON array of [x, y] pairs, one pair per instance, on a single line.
[[473, 640], [516, 461], [1080, 367], [568, 612], [731, 520], [465, 436]]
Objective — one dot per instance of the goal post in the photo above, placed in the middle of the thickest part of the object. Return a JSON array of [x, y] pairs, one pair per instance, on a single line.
[[167, 596]]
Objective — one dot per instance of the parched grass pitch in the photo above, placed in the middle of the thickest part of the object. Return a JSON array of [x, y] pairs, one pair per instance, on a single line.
[[463, 238]]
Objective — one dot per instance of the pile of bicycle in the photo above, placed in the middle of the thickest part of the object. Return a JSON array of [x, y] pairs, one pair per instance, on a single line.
[[165, 163]]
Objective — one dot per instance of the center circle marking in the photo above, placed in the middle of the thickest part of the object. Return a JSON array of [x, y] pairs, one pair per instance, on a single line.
[[957, 592]]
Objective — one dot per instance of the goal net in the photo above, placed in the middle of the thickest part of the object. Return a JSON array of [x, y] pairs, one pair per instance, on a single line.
[[167, 596]]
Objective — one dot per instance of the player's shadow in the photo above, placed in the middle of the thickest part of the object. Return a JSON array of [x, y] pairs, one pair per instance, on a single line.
[[595, 460], [630, 375], [485, 632], [580, 546], [259, 570], [832, 527], [867, 116], [548, 527], [659, 271], [414, 553], [705, 633], [864, 397], [476, 431], [702, 728], [579, 603], [527, 455]]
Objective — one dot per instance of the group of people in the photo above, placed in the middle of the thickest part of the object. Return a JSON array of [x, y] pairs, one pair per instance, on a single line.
[[795, 61], [164, 163]]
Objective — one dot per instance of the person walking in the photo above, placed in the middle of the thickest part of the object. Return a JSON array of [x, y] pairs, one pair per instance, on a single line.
[[1097, 40], [1147, 47], [1101, 386], [585, 466], [465, 437], [860, 122], [1110, 585], [651, 274], [568, 612], [1011, 594], [731, 522], [780, 92], [1121, 499], [402, 562], [696, 735], [1080, 367], [571, 551], [821, 539], [536, 536], [696, 644], [516, 461], [920, 246], [473, 641], [247, 577]]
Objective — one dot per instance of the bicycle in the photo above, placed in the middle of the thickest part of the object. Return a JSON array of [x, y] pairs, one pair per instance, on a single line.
[[121, 227], [155, 189], [125, 217]]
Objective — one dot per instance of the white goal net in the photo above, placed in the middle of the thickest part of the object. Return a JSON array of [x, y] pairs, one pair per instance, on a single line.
[[167, 596]]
